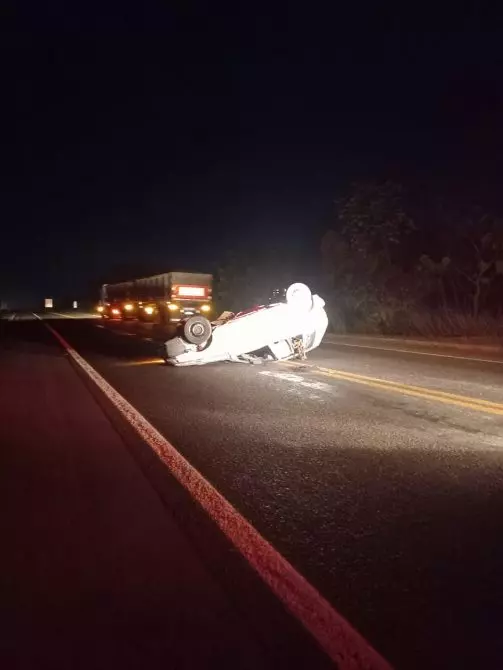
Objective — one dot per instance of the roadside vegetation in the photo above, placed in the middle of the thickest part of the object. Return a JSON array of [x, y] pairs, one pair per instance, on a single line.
[[387, 271], [388, 265]]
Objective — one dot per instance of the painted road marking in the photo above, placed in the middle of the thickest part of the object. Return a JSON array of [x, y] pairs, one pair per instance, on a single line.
[[340, 641], [120, 332], [146, 361], [418, 353], [69, 316], [124, 332], [79, 315], [299, 384], [64, 316], [417, 391], [298, 380]]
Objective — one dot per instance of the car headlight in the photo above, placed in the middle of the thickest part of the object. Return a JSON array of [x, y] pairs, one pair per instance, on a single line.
[[128, 307], [205, 308], [115, 311], [100, 308], [172, 307], [148, 309]]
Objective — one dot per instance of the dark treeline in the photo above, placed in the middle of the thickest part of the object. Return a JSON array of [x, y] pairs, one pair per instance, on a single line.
[[391, 261]]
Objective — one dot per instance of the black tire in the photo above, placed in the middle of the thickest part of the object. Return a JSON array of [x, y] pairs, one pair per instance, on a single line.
[[197, 329]]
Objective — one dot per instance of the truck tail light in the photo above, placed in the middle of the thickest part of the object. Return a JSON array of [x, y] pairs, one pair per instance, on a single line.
[[184, 291]]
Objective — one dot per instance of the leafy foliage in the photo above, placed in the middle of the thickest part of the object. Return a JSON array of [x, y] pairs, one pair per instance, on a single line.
[[387, 267], [380, 272]]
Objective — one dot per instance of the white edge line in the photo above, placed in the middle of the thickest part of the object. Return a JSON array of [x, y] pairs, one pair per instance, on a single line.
[[340, 641], [417, 353]]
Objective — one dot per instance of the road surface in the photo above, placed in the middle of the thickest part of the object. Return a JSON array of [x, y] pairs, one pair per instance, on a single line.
[[98, 567], [377, 474]]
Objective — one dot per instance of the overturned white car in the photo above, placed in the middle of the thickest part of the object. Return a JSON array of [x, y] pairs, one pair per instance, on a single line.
[[280, 331]]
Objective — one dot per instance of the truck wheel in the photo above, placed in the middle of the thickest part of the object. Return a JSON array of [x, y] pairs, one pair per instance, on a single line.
[[196, 330]]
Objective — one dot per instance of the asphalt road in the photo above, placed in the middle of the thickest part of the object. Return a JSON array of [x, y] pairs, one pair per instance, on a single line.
[[377, 474], [104, 561]]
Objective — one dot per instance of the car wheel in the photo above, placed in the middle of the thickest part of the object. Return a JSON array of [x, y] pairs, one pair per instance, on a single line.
[[299, 295], [196, 330]]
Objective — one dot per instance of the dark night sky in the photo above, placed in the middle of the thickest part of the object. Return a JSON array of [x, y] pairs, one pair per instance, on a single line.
[[160, 138]]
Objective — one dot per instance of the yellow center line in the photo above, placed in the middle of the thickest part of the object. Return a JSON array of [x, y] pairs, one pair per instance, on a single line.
[[407, 389], [145, 361]]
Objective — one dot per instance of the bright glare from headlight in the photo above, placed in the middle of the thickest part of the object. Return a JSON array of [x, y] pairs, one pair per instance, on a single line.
[[205, 308], [128, 307], [172, 307], [100, 308], [115, 311], [149, 310], [299, 296]]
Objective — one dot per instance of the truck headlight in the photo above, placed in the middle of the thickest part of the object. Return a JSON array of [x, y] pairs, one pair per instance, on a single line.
[[172, 307], [148, 310], [205, 308], [100, 309], [128, 307]]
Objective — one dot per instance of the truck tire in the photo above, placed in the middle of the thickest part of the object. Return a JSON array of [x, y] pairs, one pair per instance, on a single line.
[[197, 329]]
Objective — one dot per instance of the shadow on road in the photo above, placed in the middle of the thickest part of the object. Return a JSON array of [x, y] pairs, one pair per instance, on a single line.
[[117, 341], [33, 337]]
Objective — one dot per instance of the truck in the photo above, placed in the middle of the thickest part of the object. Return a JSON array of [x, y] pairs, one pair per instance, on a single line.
[[165, 298]]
